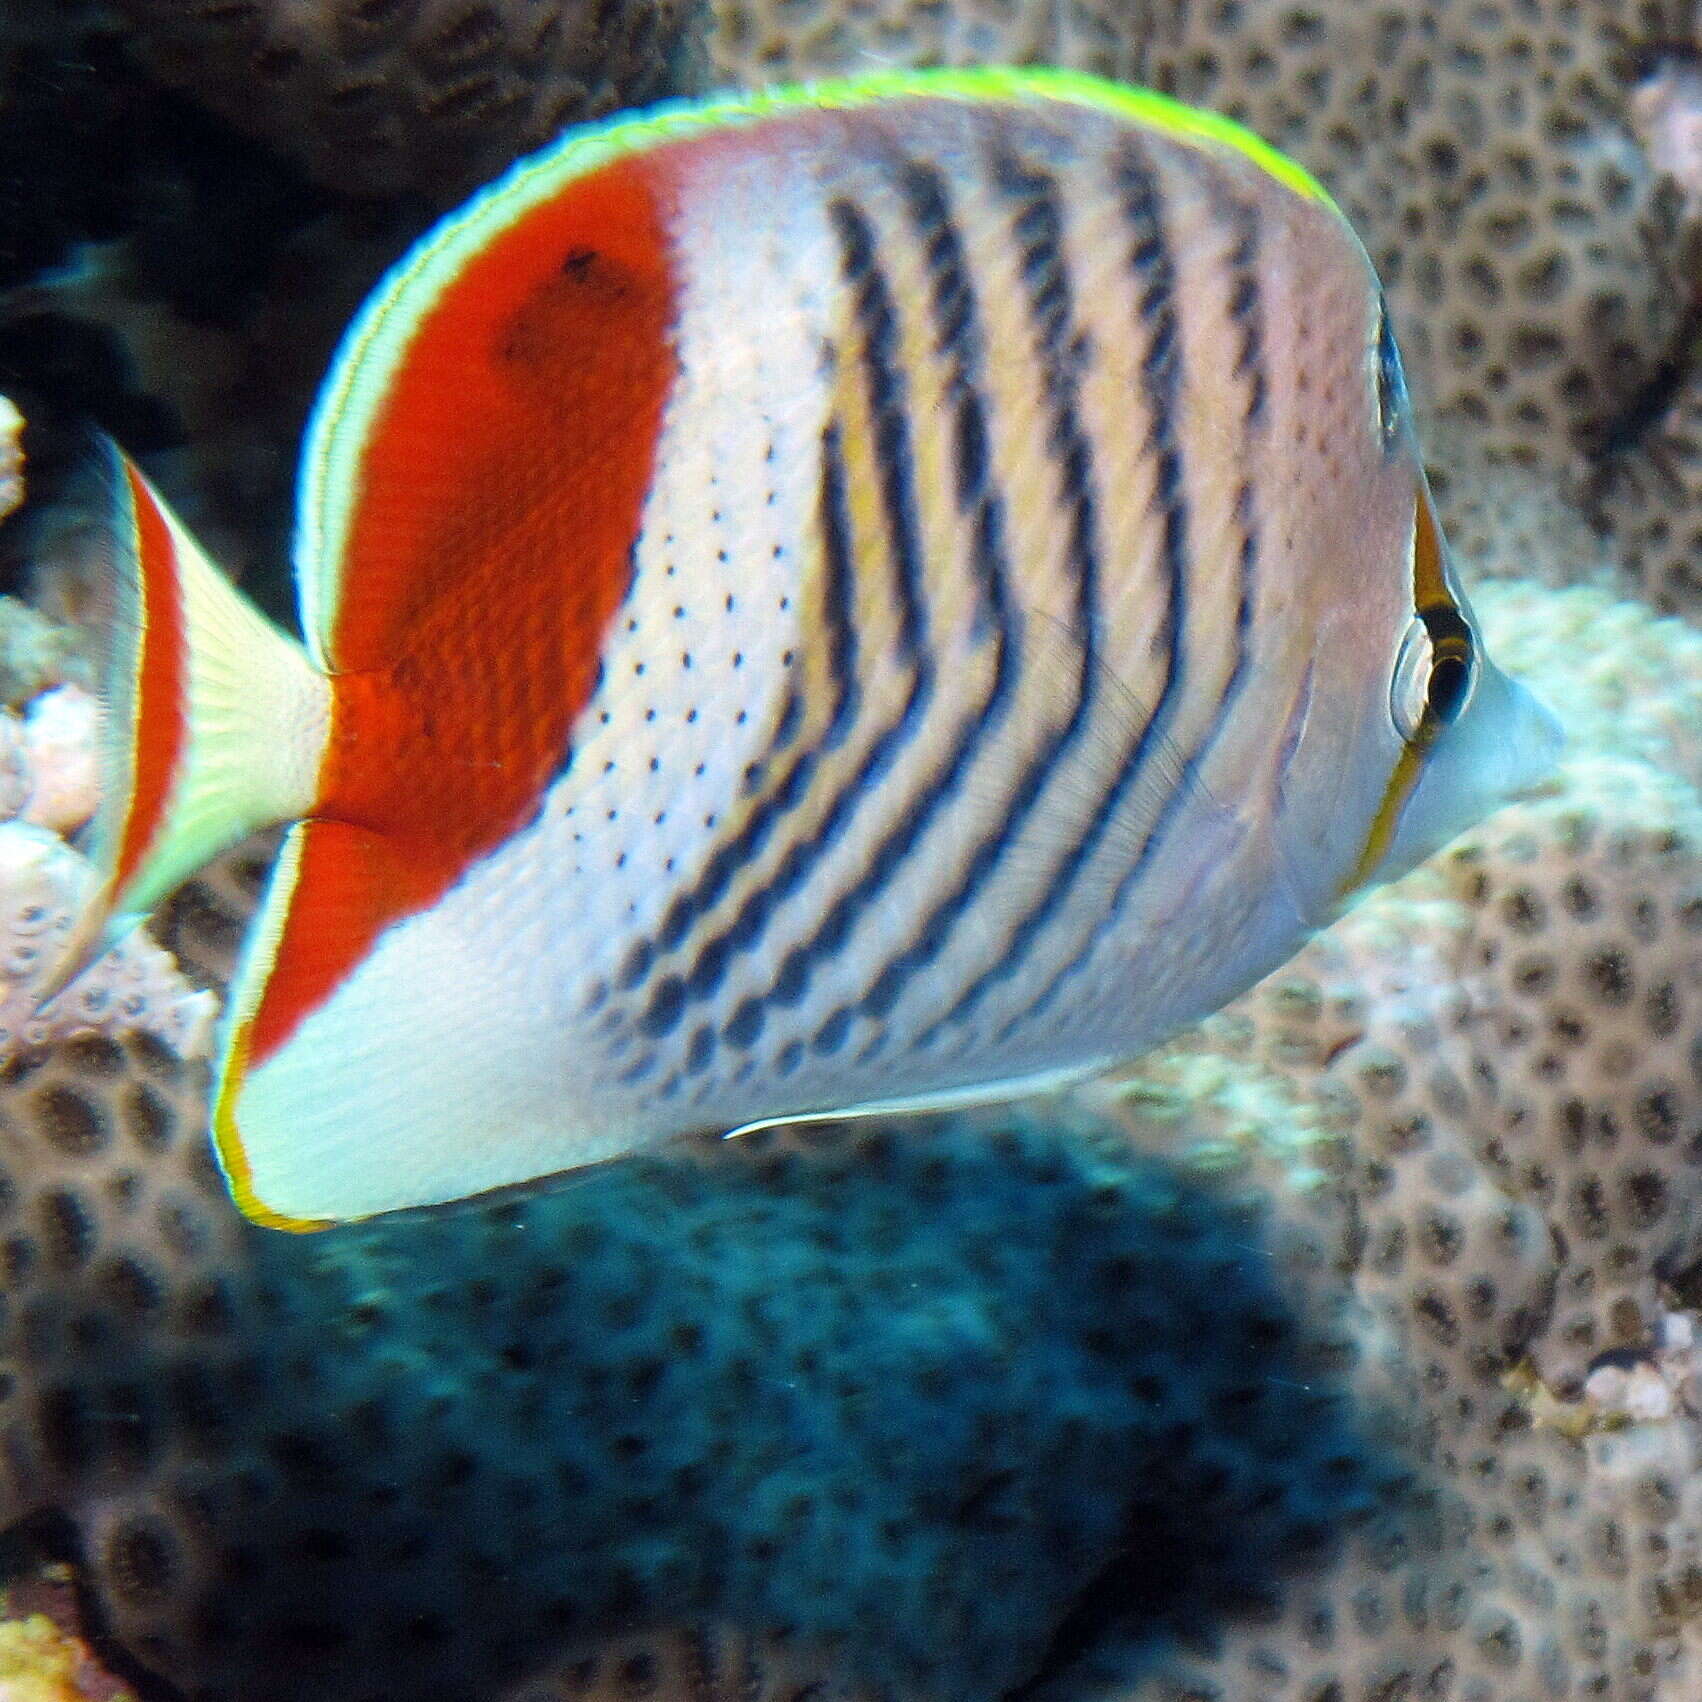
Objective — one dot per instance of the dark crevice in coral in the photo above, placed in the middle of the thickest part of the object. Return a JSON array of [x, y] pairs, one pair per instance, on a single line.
[[1636, 427]]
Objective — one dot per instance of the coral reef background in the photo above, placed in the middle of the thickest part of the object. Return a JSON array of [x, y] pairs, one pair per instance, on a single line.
[[1344, 1350]]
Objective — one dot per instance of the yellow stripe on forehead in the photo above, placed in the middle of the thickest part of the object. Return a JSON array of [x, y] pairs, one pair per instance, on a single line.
[[1191, 125], [1188, 124]]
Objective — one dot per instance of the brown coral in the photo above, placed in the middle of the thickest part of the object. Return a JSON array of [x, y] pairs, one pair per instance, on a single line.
[[109, 1177], [429, 95], [759, 41], [1505, 1223], [1495, 1158]]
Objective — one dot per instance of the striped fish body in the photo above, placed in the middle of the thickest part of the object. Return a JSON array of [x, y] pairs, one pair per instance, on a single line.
[[886, 593]]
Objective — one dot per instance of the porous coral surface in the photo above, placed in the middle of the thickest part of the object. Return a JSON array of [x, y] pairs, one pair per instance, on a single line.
[[1437, 1181], [1457, 1143], [430, 95], [1492, 1155]]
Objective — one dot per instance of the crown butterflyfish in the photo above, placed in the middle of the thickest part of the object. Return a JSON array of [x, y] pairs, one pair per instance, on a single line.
[[877, 594]]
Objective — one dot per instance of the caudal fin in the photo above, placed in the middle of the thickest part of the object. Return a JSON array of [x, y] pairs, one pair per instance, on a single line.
[[215, 720]]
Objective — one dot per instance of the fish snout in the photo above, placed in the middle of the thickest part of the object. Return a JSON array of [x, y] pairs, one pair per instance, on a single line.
[[1506, 743]]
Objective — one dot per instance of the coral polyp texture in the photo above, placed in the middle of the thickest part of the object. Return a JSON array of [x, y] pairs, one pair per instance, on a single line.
[[1493, 1156], [1520, 1147], [430, 95], [758, 41], [134, 986], [1344, 1351]]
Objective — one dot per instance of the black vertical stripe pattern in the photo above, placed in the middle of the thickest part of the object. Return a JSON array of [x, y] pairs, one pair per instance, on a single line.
[[1245, 311], [1152, 273], [1247, 317], [958, 341], [887, 398], [1037, 227]]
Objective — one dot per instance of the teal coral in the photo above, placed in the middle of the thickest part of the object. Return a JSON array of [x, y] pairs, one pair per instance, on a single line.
[[905, 1393]]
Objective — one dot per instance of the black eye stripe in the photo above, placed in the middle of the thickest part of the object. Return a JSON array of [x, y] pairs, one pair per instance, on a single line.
[[1447, 627], [1453, 658], [1450, 680]]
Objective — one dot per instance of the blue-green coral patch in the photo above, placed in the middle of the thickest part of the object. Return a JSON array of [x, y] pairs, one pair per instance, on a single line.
[[952, 1400]]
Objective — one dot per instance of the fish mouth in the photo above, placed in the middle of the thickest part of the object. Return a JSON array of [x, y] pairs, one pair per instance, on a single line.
[[1507, 745]]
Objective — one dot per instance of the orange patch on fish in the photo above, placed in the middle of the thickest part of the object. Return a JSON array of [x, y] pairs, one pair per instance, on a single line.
[[497, 503]]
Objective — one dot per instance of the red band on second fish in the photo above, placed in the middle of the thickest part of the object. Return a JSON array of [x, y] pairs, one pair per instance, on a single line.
[[497, 502]]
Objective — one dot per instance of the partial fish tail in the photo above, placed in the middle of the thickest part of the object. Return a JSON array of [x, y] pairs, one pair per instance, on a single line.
[[214, 723]]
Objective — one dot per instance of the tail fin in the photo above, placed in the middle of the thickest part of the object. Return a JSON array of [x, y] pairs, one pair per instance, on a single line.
[[215, 721]]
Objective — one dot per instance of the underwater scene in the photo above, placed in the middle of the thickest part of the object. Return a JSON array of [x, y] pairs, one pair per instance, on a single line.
[[850, 850]]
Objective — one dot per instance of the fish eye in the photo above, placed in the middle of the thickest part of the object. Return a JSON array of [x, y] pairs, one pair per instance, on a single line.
[[1453, 664], [1449, 688], [1435, 674]]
